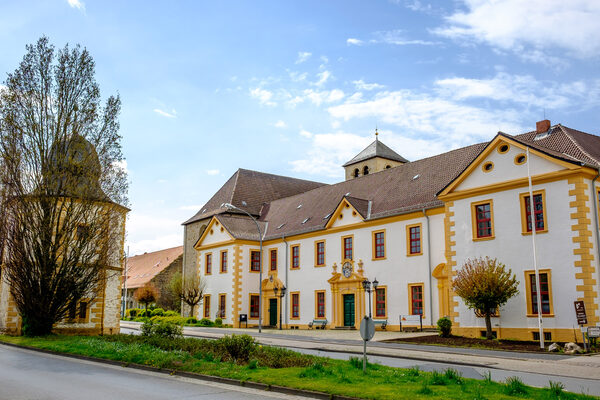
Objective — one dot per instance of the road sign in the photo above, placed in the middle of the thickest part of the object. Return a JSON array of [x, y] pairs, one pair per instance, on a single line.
[[580, 313], [367, 329], [593, 331]]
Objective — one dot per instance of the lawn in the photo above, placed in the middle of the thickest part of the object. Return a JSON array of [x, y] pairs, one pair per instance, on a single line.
[[244, 360]]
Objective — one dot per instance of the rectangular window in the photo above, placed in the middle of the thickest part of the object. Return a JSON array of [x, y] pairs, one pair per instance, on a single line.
[[222, 299], [413, 235], [273, 260], [295, 257], [482, 215], [254, 306], [379, 245], [347, 248], [83, 310], [320, 304], [73, 310], [539, 212], [380, 306], [207, 306], [415, 293], [295, 305], [208, 264], [224, 261], [255, 261], [544, 294], [320, 253]]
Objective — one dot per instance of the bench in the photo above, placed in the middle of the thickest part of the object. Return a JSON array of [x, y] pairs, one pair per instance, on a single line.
[[381, 322], [316, 323], [411, 320]]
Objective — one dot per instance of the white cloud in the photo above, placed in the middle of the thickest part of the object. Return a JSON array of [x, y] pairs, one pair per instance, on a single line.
[[306, 134], [172, 114], [524, 26], [296, 76], [144, 229], [397, 38], [303, 56], [280, 124], [354, 41], [264, 96], [323, 96], [212, 172], [80, 5], [323, 77], [362, 85], [324, 59]]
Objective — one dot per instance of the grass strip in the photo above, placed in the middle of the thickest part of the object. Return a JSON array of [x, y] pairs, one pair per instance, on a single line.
[[321, 374]]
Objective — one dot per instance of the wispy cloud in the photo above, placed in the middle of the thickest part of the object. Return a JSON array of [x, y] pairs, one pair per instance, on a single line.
[[362, 85], [280, 124], [172, 114], [323, 96], [354, 42], [80, 5], [306, 134], [523, 26], [303, 56], [264, 96], [213, 172], [323, 77]]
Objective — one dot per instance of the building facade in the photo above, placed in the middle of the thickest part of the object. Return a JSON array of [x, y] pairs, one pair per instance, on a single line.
[[411, 226]]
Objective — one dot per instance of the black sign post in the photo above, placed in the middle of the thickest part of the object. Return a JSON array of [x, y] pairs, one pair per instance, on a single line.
[[581, 319]]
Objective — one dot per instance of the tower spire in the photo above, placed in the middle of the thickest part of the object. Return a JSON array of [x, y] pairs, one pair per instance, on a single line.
[[376, 133]]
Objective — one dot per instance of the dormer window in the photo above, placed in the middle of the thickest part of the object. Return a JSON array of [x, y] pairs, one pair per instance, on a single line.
[[366, 170]]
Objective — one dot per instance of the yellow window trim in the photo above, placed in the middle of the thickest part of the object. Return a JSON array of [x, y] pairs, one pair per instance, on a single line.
[[503, 145], [206, 263], [374, 300], [250, 251], [324, 253], [292, 256], [410, 286], [317, 304], [474, 219], [522, 197], [373, 242], [250, 305], [206, 296], [224, 308], [485, 164], [221, 263], [343, 256], [292, 305], [516, 159], [529, 273], [408, 253]]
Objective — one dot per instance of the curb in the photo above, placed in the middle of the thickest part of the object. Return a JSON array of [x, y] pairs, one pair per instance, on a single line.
[[209, 378]]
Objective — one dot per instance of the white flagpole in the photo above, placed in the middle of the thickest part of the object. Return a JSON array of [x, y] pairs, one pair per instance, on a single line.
[[535, 267]]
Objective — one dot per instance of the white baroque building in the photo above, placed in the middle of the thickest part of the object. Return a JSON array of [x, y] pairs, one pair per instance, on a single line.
[[411, 225]]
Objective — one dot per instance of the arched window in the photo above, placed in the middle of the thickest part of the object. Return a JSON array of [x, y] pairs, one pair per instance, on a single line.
[[388, 166], [366, 170], [356, 172]]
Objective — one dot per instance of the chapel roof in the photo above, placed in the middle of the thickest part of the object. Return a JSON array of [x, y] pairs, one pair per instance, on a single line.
[[376, 149]]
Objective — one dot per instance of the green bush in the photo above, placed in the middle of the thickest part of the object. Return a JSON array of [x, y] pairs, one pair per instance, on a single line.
[[191, 320], [206, 322], [162, 329], [444, 326], [157, 312], [277, 357], [238, 347], [171, 313], [133, 312], [218, 322]]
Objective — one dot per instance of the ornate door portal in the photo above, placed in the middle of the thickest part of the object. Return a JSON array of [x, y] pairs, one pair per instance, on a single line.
[[348, 295]]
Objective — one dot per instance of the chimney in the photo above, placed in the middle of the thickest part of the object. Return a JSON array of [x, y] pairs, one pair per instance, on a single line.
[[542, 126]]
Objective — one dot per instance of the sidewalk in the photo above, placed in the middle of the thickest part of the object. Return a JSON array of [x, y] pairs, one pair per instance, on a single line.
[[587, 367]]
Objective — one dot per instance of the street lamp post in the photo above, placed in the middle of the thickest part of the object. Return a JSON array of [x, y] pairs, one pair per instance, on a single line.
[[228, 205], [367, 286], [281, 294]]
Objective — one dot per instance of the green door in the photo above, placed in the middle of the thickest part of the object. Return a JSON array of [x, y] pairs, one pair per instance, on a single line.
[[273, 312], [348, 310]]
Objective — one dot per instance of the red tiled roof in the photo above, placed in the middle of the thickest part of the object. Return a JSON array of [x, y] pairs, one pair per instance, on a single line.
[[142, 268]]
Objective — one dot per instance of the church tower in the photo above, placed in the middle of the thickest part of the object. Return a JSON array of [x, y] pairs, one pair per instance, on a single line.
[[374, 158]]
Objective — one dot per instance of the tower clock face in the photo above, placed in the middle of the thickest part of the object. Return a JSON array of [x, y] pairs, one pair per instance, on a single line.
[[347, 269]]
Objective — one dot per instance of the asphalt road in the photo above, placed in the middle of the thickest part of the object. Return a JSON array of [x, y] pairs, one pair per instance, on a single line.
[[26, 374]]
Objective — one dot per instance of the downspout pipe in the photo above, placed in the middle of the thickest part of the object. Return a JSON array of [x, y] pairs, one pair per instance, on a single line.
[[185, 229], [429, 269], [286, 265], [595, 197]]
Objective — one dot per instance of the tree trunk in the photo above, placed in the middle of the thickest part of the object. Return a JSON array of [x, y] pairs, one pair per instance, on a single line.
[[488, 326], [192, 310]]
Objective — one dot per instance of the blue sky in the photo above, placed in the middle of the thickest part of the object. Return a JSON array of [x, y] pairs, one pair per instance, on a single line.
[[297, 87]]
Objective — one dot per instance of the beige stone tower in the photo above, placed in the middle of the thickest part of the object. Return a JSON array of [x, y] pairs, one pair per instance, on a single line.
[[374, 158]]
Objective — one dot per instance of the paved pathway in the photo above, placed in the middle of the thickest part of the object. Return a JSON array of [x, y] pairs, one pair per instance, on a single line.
[[26, 374]]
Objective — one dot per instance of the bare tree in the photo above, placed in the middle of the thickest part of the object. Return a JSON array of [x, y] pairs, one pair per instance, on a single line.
[[191, 291], [63, 187], [147, 294]]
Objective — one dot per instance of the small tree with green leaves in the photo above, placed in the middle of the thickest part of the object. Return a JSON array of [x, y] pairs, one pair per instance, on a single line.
[[146, 294], [485, 284]]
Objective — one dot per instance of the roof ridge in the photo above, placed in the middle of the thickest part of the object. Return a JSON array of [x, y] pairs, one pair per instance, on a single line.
[[237, 176], [576, 143]]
